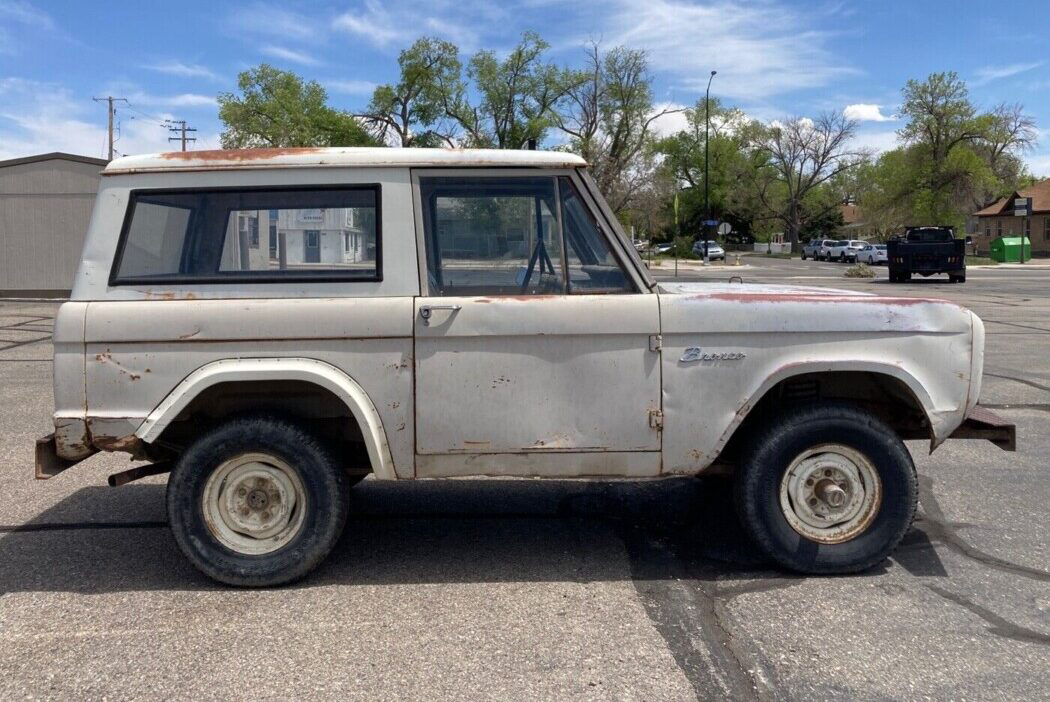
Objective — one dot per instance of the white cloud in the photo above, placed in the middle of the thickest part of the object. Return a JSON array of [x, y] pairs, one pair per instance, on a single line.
[[992, 73], [38, 117], [866, 112], [262, 18], [759, 50], [1039, 164], [24, 13], [351, 87], [184, 70], [672, 122], [876, 141], [399, 24], [286, 54]]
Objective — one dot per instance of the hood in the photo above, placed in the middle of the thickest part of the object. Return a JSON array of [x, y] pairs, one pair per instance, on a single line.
[[736, 307]]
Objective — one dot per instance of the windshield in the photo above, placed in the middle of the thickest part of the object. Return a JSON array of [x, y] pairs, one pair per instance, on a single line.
[[930, 235]]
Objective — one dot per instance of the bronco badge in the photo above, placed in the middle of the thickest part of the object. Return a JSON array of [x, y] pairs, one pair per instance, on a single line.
[[695, 353]]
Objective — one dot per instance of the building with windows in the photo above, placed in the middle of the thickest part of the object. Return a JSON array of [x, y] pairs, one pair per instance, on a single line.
[[45, 205], [998, 220]]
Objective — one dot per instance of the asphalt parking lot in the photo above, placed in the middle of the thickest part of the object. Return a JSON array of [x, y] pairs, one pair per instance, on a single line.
[[506, 589]]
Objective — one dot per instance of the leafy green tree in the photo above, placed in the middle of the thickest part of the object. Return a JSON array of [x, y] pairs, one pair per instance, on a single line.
[[277, 108], [519, 96], [411, 112], [731, 134]]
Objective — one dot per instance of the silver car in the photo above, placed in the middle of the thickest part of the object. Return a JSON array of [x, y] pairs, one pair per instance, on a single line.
[[872, 254], [714, 251]]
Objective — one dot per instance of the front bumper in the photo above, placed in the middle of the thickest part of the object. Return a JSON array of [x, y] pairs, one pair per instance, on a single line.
[[982, 423]]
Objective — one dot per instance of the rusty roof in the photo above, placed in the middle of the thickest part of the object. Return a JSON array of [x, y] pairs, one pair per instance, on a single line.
[[360, 157], [1040, 194]]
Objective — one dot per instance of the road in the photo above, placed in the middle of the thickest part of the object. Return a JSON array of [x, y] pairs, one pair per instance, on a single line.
[[509, 589]]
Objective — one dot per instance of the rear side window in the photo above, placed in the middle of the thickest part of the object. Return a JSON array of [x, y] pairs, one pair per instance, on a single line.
[[250, 235]]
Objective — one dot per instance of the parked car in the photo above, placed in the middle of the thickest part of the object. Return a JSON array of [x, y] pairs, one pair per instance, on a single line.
[[811, 249], [845, 250], [872, 254], [663, 248], [824, 250], [926, 251], [714, 250], [272, 326]]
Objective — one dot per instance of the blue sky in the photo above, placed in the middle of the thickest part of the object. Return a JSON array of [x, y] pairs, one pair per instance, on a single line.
[[775, 58]]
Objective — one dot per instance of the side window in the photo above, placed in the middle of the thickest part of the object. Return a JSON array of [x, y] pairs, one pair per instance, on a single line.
[[216, 236], [592, 266], [492, 236]]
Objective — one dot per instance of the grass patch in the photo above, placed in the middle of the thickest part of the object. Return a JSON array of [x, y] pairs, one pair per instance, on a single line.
[[859, 270], [980, 261]]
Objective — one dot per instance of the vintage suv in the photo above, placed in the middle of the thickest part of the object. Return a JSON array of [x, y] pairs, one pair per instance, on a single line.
[[271, 326]]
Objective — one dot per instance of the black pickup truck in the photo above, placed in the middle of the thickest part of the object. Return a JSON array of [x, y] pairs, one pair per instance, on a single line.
[[926, 251]]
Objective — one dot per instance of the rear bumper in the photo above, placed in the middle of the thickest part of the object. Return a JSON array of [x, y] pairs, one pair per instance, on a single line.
[[982, 423]]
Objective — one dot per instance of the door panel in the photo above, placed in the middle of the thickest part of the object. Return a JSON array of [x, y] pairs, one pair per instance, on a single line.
[[535, 374]]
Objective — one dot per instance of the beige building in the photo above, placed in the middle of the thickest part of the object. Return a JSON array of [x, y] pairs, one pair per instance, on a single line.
[[998, 220], [45, 206]]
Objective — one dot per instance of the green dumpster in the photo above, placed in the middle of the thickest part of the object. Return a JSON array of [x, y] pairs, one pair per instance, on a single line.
[[1007, 249]]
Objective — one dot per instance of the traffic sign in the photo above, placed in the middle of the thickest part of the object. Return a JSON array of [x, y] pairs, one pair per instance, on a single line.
[[1022, 207], [724, 228], [710, 222]]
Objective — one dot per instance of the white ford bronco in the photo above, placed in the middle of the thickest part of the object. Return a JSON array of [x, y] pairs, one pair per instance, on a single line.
[[271, 326]]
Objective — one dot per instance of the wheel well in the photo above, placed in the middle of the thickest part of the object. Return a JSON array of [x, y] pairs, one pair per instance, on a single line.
[[884, 396], [318, 408]]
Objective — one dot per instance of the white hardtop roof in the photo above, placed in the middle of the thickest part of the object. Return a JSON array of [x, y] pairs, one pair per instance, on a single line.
[[340, 157]]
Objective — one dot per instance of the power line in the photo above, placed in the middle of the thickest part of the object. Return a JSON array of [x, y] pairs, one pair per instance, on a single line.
[[179, 127], [109, 130]]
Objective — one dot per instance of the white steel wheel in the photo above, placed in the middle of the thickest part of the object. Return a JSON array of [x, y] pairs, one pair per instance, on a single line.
[[830, 493], [254, 503]]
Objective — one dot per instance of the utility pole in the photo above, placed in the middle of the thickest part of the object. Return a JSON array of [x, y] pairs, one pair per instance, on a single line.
[[179, 127], [109, 130], [707, 139]]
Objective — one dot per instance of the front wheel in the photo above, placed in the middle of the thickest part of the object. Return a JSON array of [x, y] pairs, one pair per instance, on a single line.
[[257, 501], [827, 489]]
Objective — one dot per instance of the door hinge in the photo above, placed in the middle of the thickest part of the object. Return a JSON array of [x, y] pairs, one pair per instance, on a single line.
[[656, 342], [656, 419]]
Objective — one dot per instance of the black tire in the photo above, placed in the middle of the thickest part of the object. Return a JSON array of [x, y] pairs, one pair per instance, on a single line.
[[957, 278], [757, 486], [803, 255], [324, 482]]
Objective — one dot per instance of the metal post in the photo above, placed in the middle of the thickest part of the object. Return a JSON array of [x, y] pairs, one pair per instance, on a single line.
[[707, 148]]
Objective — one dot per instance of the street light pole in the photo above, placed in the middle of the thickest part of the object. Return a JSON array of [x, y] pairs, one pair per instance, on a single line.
[[707, 148]]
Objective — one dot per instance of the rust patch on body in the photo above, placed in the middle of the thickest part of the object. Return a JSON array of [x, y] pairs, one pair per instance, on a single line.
[[237, 154], [128, 444]]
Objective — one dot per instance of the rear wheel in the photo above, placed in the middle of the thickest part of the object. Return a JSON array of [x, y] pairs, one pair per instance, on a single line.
[[257, 501], [828, 489], [961, 278]]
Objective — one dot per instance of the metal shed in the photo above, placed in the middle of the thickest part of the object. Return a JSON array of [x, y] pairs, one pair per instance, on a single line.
[[45, 206]]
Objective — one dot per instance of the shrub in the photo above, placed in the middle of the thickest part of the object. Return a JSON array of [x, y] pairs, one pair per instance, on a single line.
[[859, 270]]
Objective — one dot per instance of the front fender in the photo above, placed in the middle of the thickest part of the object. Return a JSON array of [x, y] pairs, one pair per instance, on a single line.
[[304, 369]]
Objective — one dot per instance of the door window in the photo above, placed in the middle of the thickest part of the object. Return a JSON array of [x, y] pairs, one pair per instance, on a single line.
[[514, 236], [492, 236]]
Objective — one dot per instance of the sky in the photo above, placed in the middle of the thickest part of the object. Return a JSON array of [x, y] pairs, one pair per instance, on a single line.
[[775, 58]]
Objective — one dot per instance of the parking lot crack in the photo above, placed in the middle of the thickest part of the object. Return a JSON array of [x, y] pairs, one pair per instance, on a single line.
[[999, 627], [683, 610], [940, 529]]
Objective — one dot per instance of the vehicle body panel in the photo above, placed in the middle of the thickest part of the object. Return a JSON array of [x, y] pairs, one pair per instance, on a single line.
[[771, 332]]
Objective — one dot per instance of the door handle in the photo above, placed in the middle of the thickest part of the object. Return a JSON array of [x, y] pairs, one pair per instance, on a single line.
[[427, 310]]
